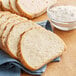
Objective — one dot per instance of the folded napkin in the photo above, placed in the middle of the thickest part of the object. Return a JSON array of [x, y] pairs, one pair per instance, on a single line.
[[12, 67]]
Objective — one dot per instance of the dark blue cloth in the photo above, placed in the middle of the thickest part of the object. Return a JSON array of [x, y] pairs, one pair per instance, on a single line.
[[12, 67]]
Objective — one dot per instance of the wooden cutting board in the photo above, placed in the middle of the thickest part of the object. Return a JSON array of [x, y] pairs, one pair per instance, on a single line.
[[67, 65]]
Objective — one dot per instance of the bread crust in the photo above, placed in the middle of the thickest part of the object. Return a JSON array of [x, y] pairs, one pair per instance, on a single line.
[[20, 56], [0, 6], [1, 43], [11, 8], [4, 8]]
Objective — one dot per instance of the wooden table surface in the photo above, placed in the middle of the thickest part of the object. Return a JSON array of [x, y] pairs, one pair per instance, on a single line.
[[67, 65]]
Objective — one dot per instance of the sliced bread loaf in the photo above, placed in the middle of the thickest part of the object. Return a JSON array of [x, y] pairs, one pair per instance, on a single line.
[[33, 8], [14, 35], [13, 7], [4, 20], [37, 47], [11, 22], [5, 5]]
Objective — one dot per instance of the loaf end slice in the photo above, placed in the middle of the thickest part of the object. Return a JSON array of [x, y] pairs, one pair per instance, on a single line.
[[38, 47]]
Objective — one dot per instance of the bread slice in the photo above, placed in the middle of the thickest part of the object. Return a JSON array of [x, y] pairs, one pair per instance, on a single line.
[[37, 47], [11, 22], [14, 35], [13, 7], [33, 8], [5, 5]]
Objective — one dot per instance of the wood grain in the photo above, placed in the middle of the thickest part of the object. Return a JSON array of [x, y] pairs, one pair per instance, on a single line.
[[67, 65]]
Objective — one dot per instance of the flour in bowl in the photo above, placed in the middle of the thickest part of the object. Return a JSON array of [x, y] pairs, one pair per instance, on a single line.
[[63, 13]]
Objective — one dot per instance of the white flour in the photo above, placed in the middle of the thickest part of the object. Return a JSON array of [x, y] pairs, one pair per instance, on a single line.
[[63, 13]]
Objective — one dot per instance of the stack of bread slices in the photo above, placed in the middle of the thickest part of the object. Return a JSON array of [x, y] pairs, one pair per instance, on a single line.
[[27, 8], [28, 42]]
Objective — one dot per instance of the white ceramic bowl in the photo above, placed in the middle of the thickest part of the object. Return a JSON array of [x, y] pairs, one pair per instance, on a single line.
[[66, 26]]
